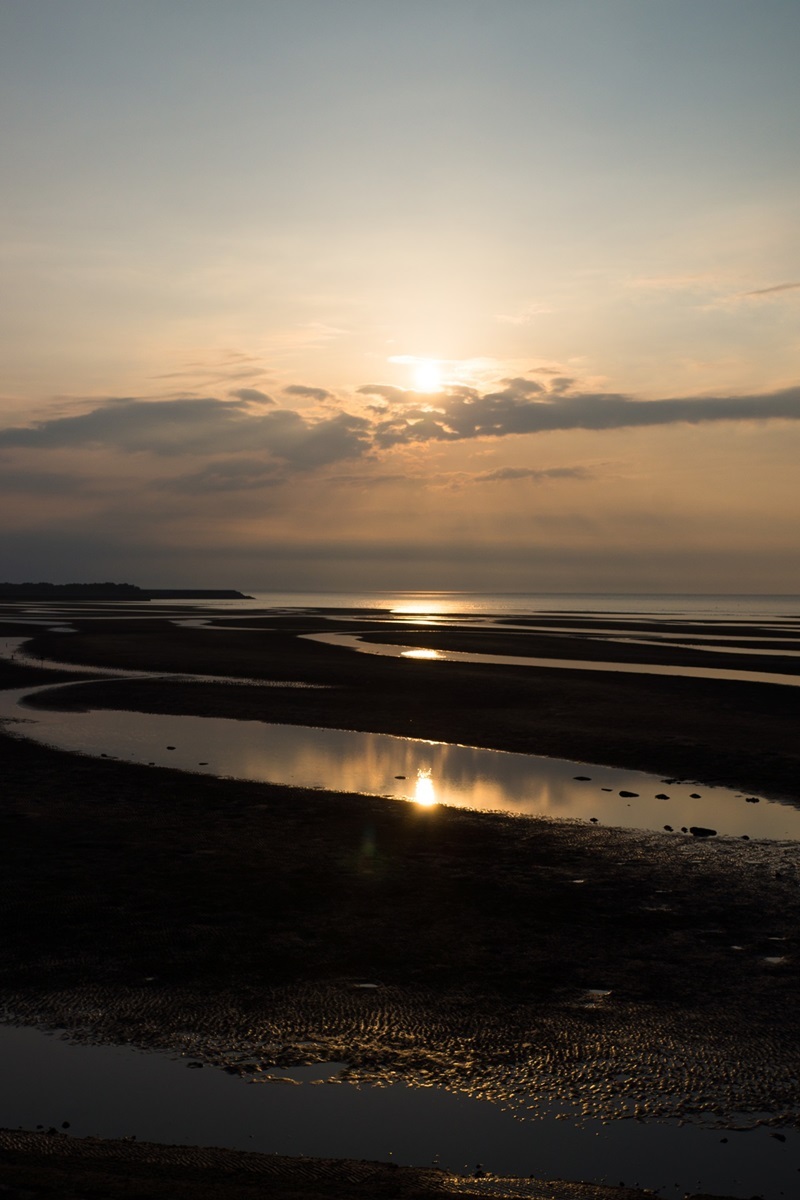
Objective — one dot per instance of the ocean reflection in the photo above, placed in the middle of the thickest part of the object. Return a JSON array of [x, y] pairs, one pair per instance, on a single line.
[[428, 773]]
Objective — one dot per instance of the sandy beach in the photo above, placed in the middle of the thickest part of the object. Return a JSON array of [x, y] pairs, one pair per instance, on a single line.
[[214, 917]]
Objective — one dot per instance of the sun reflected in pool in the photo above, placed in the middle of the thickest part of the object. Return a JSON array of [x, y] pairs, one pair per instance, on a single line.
[[420, 654], [424, 791]]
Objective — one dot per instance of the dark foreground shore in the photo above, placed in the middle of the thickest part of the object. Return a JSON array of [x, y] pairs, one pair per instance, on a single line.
[[219, 919], [35, 1166]]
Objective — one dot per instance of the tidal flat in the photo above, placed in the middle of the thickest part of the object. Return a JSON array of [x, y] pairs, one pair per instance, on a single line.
[[559, 966]]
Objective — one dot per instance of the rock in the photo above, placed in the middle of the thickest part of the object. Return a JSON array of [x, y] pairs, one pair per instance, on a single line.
[[583, 778], [695, 796], [662, 796], [751, 800], [631, 795], [668, 828], [701, 831]]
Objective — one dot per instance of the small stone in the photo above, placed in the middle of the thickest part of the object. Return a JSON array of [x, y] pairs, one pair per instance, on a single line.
[[669, 828], [662, 796], [701, 831], [626, 795]]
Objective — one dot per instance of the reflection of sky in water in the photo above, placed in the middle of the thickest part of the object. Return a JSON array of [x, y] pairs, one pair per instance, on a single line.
[[378, 764], [353, 642], [111, 1091]]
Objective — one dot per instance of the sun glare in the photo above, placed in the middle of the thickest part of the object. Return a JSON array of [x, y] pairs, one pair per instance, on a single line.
[[427, 375], [424, 791]]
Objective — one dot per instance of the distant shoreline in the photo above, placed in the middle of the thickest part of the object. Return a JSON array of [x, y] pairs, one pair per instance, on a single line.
[[111, 591]]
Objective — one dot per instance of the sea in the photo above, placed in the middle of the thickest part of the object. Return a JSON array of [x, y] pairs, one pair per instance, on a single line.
[[712, 607]]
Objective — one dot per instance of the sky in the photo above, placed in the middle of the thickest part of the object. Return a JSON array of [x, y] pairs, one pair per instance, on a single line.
[[347, 294]]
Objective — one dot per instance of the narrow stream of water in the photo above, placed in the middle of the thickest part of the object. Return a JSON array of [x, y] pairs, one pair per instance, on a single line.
[[352, 641], [427, 773]]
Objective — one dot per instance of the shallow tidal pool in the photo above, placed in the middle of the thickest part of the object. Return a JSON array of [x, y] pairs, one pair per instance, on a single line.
[[424, 772], [116, 1092]]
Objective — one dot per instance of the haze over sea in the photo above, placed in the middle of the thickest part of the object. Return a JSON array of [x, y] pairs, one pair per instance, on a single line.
[[485, 604]]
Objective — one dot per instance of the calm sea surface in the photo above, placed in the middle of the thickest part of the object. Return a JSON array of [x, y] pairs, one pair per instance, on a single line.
[[699, 607]]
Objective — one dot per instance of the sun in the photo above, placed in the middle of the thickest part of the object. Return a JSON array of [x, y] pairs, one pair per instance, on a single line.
[[427, 375]]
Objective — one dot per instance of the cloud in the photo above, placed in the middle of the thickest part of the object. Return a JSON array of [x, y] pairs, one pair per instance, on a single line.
[[770, 291], [201, 427], [513, 411], [251, 425], [374, 481], [392, 395], [43, 483], [227, 475], [523, 387], [252, 395], [537, 475], [525, 316], [308, 393]]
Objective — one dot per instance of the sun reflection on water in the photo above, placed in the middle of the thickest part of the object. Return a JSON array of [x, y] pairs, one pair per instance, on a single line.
[[424, 791], [421, 654]]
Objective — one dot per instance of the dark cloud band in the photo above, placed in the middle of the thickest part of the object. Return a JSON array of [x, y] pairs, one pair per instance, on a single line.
[[252, 426], [515, 411]]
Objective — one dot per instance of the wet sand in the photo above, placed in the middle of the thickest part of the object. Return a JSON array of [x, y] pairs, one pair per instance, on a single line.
[[225, 919], [36, 1165]]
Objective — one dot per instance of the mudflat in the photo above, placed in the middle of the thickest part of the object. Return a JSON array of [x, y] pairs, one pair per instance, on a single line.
[[586, 965]]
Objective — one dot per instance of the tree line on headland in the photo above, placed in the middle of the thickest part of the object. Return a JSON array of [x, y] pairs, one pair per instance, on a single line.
[[110, 591]]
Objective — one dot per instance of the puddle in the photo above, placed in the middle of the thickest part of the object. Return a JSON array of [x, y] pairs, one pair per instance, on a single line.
[[427, 773], [115, 1092]]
